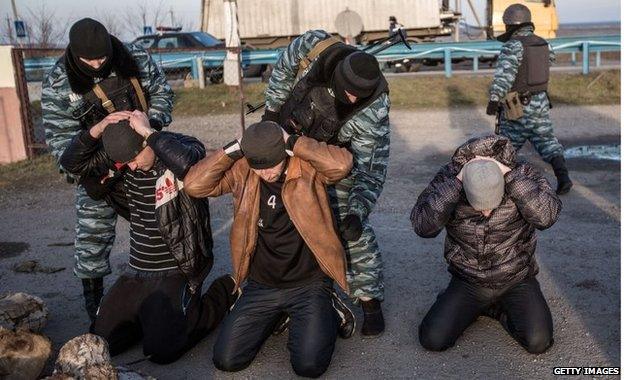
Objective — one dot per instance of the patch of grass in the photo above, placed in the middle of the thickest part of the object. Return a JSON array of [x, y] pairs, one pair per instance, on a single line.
[[417, 92], [31, 171], [215, 99]]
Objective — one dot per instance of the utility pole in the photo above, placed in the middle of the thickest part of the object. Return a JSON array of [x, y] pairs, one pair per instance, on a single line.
[[14, 10], [15, 18], [457, 11], [232, 72]]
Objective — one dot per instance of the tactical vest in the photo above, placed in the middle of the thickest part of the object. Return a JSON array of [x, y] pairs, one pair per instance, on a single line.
[[534, 70], [110, 95], [310, 109]]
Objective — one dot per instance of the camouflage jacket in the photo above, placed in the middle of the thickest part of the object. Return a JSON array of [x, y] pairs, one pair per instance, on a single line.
[[368, 131], [58, 101], [507, 65]]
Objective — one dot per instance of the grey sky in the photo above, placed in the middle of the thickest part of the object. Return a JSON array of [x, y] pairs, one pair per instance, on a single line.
[[187, 12]]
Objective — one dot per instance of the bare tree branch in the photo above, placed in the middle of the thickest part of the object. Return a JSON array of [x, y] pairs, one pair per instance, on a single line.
[[112, 23], [142, 14], [43, 28], [7, 34]]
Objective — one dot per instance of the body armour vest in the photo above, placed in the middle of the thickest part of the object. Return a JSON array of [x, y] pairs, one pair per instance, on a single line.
[[534, 70], [115, 94], [312, 110], [110, 95]]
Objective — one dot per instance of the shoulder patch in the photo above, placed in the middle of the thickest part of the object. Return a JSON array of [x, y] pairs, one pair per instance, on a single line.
[[167, 188]]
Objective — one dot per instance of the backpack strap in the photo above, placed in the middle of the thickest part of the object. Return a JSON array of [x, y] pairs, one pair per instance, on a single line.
[[106, 102], [315, 52], [139, 92]]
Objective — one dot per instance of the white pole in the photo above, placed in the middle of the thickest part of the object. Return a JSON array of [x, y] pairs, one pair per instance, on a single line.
[[232, 44], [201, 76], [456, 10]]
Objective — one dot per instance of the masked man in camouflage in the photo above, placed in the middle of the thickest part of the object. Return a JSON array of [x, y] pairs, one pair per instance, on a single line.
[[97, 76], [335, 93], [523, 67]]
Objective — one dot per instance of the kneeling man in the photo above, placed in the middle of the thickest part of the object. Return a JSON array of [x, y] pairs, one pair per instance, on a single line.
[[158, 298], [490, 206], [283, 242]]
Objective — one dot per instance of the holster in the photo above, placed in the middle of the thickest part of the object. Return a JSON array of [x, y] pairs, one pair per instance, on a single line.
[[514, 109]]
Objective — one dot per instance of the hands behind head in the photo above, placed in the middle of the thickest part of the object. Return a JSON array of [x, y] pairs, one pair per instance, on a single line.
[[286, 135], [503, 168], [115, 117], [140, 123]]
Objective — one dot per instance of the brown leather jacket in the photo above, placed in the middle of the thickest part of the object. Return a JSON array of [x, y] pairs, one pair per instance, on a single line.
[[313, 166]]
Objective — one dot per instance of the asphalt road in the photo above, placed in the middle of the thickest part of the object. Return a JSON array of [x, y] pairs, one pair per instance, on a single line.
[[579, 259]]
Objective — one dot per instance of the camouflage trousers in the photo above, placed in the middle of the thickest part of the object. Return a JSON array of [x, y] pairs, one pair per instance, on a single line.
[[364, 264], [534, 126], [95, 234]]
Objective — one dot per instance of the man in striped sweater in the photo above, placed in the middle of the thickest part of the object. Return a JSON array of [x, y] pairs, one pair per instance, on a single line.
[[158, 298]]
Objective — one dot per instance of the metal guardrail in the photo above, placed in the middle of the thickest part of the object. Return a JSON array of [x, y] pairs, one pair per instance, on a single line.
[[447, 51]]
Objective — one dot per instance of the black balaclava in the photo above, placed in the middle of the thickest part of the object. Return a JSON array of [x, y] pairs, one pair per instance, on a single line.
[[358, 74], [89, 39], [263, 145], [121, 142]]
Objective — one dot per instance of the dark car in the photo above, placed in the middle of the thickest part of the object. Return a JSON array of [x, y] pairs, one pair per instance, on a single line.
[[168, 40], [178, 40]]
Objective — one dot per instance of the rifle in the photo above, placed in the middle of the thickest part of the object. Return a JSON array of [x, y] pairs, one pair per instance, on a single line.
[[377, 47], [499, 114]]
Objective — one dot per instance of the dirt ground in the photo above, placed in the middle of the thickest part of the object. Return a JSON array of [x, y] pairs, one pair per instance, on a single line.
[[579, 259]]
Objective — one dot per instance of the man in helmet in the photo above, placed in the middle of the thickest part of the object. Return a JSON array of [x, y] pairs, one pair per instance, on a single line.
[[335, 93], [523, 68], [394, 26]]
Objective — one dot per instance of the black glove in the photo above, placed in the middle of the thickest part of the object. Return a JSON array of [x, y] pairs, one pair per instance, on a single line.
[[492, 107], [156, 124], [351, 228], [270, 115]]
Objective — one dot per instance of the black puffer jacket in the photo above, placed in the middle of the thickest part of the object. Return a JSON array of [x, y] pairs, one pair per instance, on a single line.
[[498, 250], [184, 222]]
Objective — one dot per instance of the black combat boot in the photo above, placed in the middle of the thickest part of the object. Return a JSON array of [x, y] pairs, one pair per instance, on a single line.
[[92, 289], [564, 184], [374, 323]]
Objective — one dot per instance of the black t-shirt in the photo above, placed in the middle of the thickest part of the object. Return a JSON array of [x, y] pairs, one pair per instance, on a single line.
[[282, 258]]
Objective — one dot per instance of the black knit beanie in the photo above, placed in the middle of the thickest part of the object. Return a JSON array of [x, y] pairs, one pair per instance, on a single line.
[[263, 145], [89, 39], [358, 74], [121, 142]]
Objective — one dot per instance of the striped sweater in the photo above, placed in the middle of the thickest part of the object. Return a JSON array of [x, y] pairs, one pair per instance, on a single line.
[[148, 251]]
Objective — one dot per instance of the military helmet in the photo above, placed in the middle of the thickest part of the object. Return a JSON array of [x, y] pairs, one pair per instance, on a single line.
[[516, 14]]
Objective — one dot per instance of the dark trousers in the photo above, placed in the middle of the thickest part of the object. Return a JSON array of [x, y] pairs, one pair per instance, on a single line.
[[312, 331], [521, 309], [158, 308]]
